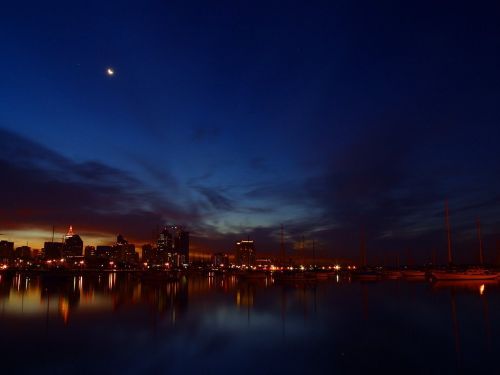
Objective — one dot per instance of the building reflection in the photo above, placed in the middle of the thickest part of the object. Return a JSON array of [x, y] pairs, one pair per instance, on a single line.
[[245, 294], [57, 291], [217, 310], [71, 297], [49, 295]]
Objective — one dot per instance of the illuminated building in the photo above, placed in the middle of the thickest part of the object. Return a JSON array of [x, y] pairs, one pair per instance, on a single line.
[[181, 244], [220, 259], [263, 262], [103, 252], [124, 251], [245, 253], [165, 245], [89, 252], [173, 246], [73, 244], [97, 257], [149, 253], [6, 250]]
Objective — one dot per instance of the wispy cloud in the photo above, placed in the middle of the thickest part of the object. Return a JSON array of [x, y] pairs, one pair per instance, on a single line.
[[41, 188]]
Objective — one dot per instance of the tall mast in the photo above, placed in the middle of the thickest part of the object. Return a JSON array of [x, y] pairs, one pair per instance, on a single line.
[[282, 246], [314, 255], [303, 250], [480, 242], [362, 248], [448, 230]]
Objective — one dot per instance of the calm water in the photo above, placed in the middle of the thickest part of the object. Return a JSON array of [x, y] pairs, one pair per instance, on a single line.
[[114, 323]]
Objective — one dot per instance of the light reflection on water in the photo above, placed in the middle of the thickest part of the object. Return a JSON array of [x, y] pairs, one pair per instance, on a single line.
[[116, 322]]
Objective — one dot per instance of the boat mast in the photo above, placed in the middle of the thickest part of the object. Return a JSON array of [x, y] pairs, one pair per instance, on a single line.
[[362, 248], [480, 241], [448, 230], [304, 250], [282, 247], [314, 255]]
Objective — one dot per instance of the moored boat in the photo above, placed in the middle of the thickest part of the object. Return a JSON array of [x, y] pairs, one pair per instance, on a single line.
[[366, 275], [470, 274], [413, 274], [392, 275]]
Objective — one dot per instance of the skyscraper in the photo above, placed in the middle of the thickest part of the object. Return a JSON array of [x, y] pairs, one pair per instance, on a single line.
[[89, 251], [124, 251], [181, 244], [165, 246], [173, 245], [73, 244], [245, 253], [149, 253]]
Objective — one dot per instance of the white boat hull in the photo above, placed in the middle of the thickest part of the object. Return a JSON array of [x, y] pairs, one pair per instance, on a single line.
[[463, 276]]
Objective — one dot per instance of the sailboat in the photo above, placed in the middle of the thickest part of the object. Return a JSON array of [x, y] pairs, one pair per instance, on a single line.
[[413, 274], [475, 273], [364, 273], [468, 274]]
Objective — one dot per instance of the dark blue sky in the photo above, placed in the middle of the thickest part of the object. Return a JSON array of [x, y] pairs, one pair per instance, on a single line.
[[235, 117]]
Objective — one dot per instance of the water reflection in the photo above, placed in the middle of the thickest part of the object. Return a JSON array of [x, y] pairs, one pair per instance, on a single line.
[[23, 295], [120, 321]]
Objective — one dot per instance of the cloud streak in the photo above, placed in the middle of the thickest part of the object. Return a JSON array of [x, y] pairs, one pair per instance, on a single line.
[[42, 188]]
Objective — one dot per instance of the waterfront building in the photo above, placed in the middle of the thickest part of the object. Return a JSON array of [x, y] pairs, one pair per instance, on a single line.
[[104, 252], [124, 251], [73, 244], [6, 250], [245, 253], [149, 254], [173, 246], [181, 244], [23, 252], [220, 259], [89, 251]]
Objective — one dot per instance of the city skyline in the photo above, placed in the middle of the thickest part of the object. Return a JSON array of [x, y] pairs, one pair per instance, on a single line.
[[249, 187], [329, 120]]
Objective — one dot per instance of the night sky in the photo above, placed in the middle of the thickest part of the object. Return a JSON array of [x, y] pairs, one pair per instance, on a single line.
[[232, 118]]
